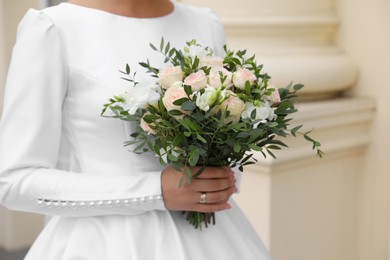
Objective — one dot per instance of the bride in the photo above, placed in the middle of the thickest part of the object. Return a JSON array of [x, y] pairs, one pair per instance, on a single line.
[[59, 158]]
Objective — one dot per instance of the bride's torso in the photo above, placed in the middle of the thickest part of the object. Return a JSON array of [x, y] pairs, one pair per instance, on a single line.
[[96, 46]]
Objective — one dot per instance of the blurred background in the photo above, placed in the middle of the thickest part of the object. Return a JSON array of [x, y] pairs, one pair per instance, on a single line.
[[304, 208]]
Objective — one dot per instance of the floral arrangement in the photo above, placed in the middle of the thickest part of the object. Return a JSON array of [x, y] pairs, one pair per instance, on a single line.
[[204, 110]]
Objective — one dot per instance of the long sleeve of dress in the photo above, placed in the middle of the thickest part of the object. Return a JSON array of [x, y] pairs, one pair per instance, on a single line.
[[30, 134]]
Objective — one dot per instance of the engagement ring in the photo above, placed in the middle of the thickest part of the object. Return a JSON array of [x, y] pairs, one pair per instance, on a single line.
[[202, 198]]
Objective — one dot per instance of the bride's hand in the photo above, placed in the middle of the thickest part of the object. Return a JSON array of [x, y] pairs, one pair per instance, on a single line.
[[218, 183]]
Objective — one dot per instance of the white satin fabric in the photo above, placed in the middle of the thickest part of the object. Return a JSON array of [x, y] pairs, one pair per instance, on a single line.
[[60, 158]]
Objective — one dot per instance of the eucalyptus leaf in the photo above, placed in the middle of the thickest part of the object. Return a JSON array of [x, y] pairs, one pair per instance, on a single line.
[[188, 106], [180, 101]]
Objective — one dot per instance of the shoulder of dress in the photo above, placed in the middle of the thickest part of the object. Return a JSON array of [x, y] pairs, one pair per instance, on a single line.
[[58, 14], [46, 17]]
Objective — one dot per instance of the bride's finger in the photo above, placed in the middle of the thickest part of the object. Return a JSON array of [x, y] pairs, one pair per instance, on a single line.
[[211, 207], [215, 172], [212, 185], [214, 197]]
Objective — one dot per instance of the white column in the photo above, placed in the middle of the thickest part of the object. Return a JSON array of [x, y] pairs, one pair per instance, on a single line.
[[306, 208], [294, 39]]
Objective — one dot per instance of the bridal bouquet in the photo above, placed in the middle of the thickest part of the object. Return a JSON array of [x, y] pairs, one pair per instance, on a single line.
[[204, 110]]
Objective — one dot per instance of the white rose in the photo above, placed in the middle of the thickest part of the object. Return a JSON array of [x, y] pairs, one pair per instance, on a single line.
[[207, 99], [241, 76], [169, 75], [197, 80], [194, 50], [263, 110], [139, 97], [215, 77]]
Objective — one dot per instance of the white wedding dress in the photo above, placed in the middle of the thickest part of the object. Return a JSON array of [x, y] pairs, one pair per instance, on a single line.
[[60, 158]]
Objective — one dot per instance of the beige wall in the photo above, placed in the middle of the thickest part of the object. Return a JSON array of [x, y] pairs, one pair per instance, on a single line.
[[365, 33]]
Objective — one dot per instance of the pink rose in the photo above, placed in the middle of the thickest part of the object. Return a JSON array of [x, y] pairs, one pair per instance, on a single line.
[[146, 127], [171, 95], [210, 61], [234, 105], [241, 76], [274, 97], [196, 80], [169, 75], [215, 77]]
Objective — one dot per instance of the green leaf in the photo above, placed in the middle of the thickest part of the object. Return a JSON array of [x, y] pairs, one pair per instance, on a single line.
[[198, 116], [157, 151], [140, 146], [177, 140], [127, 143], [271, 153], [248, 88], [153, 47], [188, 90], [193, 158], [196, 63], [181, 182], [273, 147], [241, 53], [162, 44], [193, 125], [184, 123], [255, 147], [200, 138], [276, 142], [253, 115], [171, 52], [199, 172], [188, 106], [284, 106], [167, 48], [180, 101], [172, 157], [273, 124], [246, 158], [145, 65], [308, 138], [295, 130], [243, 135], [237, 148], [188, 174], [175, 112], [298, 87], [162, 162]]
